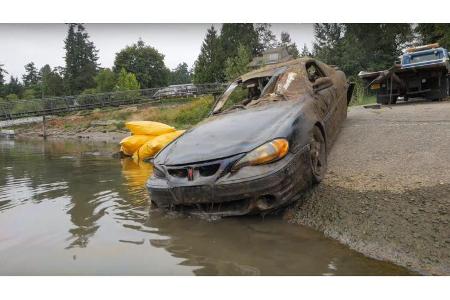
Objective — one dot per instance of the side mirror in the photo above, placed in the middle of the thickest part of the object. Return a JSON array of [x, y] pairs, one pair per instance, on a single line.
[[322, 83]]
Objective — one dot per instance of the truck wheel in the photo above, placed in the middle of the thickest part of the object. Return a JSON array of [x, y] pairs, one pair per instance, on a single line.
[[318, 155]]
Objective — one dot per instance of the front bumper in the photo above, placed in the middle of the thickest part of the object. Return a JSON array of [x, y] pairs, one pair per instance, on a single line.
[[256, 189]]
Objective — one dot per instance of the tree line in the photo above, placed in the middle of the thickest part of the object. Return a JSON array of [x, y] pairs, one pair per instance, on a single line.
[[224, 55], [137, 66]]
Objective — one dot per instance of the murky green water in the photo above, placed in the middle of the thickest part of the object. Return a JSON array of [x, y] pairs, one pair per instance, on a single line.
[[69, 208]]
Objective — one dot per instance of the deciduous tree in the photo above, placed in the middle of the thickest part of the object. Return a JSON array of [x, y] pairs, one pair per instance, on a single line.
[[105, 80], [51, 82], [126, 81], [145, 62], [181, 74]]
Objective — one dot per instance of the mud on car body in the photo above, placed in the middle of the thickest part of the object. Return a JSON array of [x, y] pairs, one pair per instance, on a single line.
[[265, 141]]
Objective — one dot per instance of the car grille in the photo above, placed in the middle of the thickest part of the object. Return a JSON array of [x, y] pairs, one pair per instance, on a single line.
[[203, 170]]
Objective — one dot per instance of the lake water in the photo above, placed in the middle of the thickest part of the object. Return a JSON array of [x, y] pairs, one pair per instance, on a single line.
[[69, 208]]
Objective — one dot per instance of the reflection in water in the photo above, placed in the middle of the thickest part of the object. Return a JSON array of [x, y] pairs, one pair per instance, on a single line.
[[136, 175], [60, 201]]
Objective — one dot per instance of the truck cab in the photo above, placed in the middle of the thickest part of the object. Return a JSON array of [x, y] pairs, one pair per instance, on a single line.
[[415, 57], [421, 72]]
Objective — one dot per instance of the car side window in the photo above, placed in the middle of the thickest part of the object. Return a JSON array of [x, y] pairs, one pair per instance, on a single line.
[[313, 72]]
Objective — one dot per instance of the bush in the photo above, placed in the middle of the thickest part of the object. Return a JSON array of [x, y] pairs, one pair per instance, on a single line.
[[181, 116], [12, 97], [20, 106], [87, 97], [128, 85], [360, 94], [28, 94]]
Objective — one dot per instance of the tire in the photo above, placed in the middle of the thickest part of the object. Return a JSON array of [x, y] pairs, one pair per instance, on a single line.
[[318, 155]]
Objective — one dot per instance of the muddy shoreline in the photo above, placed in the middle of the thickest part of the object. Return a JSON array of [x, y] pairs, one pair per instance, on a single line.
[[387, 190]]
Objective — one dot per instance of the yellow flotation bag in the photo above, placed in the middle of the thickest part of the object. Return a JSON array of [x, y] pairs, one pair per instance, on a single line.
[[131, 144], [148, 127], [152, 147]]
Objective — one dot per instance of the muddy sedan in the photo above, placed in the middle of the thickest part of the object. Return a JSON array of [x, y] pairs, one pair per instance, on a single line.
[[265, 142]]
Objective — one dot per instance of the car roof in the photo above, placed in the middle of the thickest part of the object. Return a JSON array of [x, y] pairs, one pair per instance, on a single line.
[[269, 70]]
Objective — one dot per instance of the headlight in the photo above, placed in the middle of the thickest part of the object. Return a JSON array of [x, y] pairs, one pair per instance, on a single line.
[[158, 172], [264, 154]]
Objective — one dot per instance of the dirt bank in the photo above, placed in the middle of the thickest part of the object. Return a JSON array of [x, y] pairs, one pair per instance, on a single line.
[[387, 191], [108, 124]]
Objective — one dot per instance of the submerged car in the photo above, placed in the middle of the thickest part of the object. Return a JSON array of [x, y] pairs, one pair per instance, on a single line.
[[265, 141]]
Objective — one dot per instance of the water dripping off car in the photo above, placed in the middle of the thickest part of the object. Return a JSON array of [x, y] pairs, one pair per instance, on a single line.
[[265, 141]]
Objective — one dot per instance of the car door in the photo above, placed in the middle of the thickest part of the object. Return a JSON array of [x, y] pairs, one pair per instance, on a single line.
[[325, 97]]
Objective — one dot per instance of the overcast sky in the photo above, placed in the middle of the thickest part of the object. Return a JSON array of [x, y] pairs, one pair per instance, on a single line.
[[43, 43]]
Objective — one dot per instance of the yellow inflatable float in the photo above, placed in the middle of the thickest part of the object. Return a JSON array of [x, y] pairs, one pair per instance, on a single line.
[[147, 139], [148, 128]]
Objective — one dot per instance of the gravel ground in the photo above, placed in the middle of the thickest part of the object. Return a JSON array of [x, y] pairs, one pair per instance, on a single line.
[[387, 191]]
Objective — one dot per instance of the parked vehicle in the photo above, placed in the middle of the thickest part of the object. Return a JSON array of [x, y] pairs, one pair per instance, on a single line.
[[176, 90], [266, 140], [423, 72]]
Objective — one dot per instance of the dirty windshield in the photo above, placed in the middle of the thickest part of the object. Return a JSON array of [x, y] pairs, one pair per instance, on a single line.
[[240, 94]]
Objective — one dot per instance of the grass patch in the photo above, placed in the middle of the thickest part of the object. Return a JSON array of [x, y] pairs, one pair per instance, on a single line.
[[361, 96], [120, 125], [366, 99], [181, 116]]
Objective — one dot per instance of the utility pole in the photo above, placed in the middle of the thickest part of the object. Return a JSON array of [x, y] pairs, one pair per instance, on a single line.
[[44, 129]]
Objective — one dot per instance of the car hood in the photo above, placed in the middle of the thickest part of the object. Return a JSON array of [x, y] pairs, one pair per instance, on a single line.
[[230, 133]]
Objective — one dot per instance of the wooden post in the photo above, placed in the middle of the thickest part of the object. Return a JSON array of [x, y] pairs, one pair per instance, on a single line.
[[44, 129]]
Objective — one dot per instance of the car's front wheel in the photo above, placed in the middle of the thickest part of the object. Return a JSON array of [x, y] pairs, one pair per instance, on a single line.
[[318, 155]]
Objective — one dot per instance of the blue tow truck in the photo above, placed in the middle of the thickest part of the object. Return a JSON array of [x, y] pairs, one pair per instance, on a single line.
[[422, 72]]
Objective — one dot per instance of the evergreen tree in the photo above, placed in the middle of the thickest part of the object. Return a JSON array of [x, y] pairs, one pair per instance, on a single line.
[[209, 65], [356, 47], [328, 42], [373, 47], [145, 62], [266, 38], [81, 60], [14, 87], [181, 74], [290, 46], [2, 79], [237, 65], [305, 51], [433, 33], [31, 76], [234, 34]]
